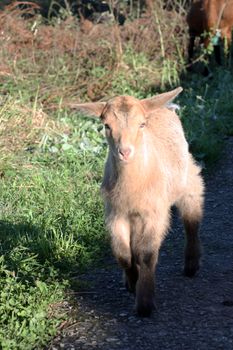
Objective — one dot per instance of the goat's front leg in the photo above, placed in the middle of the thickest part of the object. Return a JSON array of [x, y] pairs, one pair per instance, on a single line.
[[131, 276], [146, 252], [145, 290], [120, 241]]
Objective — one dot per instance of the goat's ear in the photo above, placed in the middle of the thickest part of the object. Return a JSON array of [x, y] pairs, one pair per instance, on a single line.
[[93, 109], [161, 100]]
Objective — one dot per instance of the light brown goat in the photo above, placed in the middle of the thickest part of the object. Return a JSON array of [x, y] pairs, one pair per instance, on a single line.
[[148, 169], [210, 16]]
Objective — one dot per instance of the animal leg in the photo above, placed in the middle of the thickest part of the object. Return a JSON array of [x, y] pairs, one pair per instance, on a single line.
[[146, 253], [145, 289], [120, 239], [217, 54], [191, 48], [191, 209], [131, 277]]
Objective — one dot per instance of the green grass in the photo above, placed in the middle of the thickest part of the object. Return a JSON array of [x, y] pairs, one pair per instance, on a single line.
[[27, 317], [206, 109], [51, 164], [51, 223]]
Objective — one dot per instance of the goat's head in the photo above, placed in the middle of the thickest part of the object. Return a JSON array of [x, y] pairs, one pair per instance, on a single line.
[[125, 120]]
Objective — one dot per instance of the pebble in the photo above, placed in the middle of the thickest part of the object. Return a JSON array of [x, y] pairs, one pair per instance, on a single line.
[[110, 340]]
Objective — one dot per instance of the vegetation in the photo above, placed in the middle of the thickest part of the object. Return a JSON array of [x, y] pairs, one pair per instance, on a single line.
[[51, 214]]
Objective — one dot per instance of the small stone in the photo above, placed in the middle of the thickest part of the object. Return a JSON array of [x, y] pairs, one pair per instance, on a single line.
[[110, 340]]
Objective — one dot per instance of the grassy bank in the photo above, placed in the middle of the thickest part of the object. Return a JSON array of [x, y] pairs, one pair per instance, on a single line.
[[51, 214]]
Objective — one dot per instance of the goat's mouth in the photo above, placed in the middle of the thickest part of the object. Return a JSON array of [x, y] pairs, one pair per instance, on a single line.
[[124, 160], [121, 159]]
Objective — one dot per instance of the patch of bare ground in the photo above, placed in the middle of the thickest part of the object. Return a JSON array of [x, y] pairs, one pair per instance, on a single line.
[[191, 313]]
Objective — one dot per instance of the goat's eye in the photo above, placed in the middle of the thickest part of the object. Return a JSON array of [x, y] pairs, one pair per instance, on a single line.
[[107, 127], [142, 125]]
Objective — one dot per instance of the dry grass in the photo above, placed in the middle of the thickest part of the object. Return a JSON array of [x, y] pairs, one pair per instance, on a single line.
[[43, 67], [22, 128], [82, 46]]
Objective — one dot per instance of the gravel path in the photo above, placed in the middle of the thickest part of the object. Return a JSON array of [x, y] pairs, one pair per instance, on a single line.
[[191, 314]]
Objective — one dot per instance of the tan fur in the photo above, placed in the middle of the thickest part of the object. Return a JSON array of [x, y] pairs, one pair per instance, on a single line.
[[207, 16], [148, 169]]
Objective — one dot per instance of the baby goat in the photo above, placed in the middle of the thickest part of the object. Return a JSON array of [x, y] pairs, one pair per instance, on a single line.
[[210, 16], [148, 169]]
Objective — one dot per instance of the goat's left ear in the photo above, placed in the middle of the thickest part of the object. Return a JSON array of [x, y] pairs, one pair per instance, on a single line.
[[93, 109], [161, 100]]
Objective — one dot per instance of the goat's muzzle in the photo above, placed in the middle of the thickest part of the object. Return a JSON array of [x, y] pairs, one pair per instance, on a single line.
[[125, 153]]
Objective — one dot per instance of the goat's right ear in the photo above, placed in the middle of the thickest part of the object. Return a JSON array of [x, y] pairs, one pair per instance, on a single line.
[[93, 109]]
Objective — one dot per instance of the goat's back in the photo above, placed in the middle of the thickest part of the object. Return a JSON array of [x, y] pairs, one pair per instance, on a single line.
[[205, 15], [218, 13]]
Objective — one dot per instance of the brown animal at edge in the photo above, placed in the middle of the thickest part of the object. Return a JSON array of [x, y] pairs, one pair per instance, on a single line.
[[207, 16], [148, 169]]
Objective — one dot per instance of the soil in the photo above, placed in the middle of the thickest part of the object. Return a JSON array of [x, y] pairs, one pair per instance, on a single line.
[[192, 314]]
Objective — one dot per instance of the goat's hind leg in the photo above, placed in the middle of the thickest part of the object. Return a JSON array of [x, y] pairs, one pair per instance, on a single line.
[[191, 209], [192, 248], [191, 49]]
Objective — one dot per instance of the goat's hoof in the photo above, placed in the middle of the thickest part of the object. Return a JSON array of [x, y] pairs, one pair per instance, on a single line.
[[191, 270], [130, 288], [145, 309]]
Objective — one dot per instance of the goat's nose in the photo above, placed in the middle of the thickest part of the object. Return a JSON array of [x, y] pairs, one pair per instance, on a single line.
[[125, 152]]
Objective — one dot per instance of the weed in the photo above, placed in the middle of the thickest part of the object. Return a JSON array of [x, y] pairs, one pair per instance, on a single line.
[[25, 307]]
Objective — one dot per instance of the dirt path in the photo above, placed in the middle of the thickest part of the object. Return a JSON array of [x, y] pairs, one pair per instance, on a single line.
[[192, 314]]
